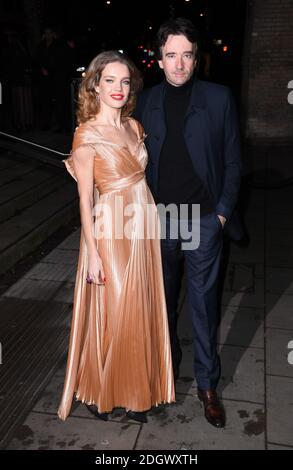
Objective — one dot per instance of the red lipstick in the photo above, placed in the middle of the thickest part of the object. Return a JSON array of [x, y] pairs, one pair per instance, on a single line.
[[117, 96]]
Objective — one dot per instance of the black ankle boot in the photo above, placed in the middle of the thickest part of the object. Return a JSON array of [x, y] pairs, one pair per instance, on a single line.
[[139, 416], [94, 410]]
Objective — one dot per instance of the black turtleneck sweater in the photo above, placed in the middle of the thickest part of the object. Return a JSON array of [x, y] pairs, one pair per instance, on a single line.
[[178, 181]]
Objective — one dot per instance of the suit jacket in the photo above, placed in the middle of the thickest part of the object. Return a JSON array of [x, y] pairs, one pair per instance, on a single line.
[[212, 138]]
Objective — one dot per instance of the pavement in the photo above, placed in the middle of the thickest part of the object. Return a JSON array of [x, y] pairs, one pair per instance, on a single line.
[[256, 386]]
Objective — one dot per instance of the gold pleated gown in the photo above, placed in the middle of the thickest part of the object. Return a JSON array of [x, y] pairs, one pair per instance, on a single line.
[[119, 352]]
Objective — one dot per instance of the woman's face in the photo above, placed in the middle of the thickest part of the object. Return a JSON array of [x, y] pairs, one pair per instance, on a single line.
[[114, 85]]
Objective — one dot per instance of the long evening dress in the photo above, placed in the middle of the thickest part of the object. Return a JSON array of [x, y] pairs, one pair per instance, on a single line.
[[119, 352]]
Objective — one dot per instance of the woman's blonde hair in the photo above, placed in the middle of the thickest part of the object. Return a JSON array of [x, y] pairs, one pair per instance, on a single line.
[[88, 105]]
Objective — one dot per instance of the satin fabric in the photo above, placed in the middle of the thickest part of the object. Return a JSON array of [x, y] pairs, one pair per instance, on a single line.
[[119, 351]]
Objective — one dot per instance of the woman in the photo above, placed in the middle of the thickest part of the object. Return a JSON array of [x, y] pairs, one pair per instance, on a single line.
[[119, 352]]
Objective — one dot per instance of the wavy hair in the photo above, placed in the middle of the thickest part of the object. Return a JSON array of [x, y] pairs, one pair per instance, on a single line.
[[87, 105]]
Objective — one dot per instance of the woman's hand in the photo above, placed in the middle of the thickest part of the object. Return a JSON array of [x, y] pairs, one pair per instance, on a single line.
[[95, 269]]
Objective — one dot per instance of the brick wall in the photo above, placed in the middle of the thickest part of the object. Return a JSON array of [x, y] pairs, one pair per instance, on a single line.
[[267, 70]]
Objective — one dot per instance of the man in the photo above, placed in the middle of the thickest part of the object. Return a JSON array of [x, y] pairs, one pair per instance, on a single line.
[[194, 158]]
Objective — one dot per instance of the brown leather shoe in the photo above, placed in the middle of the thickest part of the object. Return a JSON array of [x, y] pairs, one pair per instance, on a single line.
[[213, 409]]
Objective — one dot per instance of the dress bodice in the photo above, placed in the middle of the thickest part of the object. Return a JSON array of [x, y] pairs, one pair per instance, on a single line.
[[116, 166]]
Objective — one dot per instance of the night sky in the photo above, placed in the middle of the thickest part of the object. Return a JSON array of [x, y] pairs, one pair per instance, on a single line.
[[124, 21], [95, 25]]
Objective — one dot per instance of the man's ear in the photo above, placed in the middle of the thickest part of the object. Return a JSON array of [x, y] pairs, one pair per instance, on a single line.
[[160, 64]]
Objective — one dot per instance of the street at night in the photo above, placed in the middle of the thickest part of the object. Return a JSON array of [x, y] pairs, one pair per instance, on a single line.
[[244, 52]]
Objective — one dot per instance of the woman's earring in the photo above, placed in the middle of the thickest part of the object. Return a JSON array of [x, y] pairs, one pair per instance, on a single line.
[[97, 97]]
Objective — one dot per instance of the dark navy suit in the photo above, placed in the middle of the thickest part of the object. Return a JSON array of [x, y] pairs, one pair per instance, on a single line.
[[212, 139]]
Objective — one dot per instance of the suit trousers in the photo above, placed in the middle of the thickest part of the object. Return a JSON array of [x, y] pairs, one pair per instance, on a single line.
[[202, 265]]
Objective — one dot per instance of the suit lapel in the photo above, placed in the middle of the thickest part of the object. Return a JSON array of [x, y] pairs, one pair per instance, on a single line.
[[158, 115], [197, 100], [193, 130], [157, 129]]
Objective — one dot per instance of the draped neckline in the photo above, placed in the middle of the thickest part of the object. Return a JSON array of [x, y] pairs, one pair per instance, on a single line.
[[126, 147]]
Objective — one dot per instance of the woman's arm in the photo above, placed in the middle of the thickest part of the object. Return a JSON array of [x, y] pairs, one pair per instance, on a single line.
[[83, 161]]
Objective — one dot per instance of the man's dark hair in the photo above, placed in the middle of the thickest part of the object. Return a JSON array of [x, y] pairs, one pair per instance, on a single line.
[[176, 27]]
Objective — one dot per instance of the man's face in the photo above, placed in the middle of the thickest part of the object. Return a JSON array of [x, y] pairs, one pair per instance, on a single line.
[[178, 59]]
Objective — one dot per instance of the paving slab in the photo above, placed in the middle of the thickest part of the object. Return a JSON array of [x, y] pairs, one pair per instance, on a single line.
[[242, 326], [52, 272], [279, 311], [279, 280], [279, 254], [280, 410], [277, 352], [71, 242], [253, 299], [42, 290], [278, 447], [47, 432], [183, 427], [63, 256]]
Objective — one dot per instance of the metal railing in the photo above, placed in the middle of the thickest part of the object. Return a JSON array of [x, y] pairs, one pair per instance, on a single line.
[[34, 144], [40, 156]]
